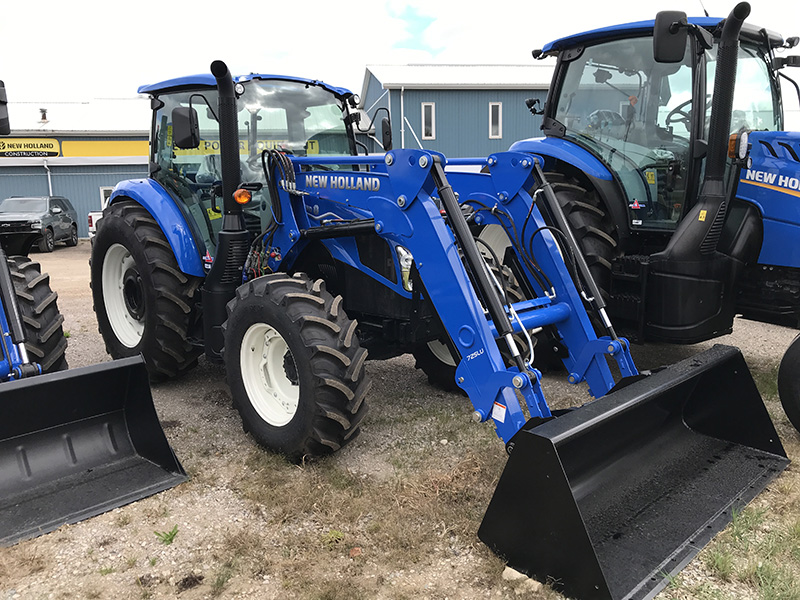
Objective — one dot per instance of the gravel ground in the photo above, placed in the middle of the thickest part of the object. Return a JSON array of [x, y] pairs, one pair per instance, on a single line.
[[117, 555]]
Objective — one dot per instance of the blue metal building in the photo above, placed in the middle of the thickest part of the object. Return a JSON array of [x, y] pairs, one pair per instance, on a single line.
[[459, 110], [79, 150]]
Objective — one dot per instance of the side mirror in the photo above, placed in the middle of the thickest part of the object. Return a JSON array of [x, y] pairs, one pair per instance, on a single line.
[[5, 125], [386, 134], [786, 61], [669, 36], [185, 128], [56, 210]]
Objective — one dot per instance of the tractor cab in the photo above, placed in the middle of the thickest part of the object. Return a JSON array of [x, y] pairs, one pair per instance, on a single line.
[[295, 116], [640, 118]]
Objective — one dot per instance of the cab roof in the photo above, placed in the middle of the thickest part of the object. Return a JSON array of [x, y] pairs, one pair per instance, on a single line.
[[208, 80], [641, 28]]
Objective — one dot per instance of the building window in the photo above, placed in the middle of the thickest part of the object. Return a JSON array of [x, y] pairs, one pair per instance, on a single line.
[[428, 121], [495, 120], [105, 194]]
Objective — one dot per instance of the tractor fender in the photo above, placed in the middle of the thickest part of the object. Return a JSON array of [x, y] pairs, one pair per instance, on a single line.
[[153, 198], [563, 150]]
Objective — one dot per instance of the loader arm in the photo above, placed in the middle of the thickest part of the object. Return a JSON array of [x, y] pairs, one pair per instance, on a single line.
[[402, 192]]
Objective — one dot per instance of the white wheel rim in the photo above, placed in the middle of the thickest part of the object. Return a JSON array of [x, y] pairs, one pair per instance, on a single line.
[[263, 359], [127, 328], [496, 238], [441, 352]]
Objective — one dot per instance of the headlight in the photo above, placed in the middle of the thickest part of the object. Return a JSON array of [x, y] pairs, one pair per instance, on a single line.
[[36, 224], [406, 260]]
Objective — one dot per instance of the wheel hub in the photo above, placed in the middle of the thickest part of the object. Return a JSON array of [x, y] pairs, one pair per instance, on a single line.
[[269, 374], [133, 293], [123, 295]]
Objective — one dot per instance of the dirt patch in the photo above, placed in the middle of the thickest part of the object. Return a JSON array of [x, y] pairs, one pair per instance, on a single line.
[[394, 515]]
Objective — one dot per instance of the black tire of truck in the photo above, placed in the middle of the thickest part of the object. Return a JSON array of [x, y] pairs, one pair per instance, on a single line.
[[144, 303], [789, 382], [38, 307], [72, 240], [295, 366], [47, 242], [591, 225]]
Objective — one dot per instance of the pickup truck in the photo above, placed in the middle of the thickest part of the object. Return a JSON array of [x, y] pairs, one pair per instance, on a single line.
[[93, 217]]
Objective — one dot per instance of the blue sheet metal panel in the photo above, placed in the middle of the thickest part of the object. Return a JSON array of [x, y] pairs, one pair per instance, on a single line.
[[81, 184], [557, 148], [625, 29], [162, 207], [772, 183], [207, 79], [462, 119]]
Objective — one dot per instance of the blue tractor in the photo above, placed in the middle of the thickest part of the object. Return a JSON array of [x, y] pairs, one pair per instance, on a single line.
[[633, 126], [680, 235], [265, 239]]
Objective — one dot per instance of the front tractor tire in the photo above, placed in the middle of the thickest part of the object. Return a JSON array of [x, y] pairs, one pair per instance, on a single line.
[[143, 302], [789, 382], [43, 323], [295, 366]]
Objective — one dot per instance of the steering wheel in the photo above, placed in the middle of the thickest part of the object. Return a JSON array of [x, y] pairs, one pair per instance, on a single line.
[[679, 115]]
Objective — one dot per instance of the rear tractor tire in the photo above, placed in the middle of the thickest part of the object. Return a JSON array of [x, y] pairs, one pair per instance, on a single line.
[[789, 382], [295, 366], [41, 318], [591, 225], [144, 303]]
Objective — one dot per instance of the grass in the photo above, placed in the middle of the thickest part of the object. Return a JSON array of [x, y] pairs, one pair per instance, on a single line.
[[167, 537]]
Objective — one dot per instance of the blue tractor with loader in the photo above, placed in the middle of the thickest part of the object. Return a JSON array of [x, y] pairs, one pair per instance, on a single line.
[[74, 443], [680, 235], [264, 239]]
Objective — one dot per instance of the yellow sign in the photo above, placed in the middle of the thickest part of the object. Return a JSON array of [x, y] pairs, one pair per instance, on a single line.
[[212, 214], [106, 148], [212, 147], [702, 216], [28, 147], [651, 177]]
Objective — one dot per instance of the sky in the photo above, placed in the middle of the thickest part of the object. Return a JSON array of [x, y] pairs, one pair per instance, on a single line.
[[86, 49]]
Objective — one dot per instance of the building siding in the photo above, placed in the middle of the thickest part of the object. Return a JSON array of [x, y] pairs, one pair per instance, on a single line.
[[462, 120], [81, 184]]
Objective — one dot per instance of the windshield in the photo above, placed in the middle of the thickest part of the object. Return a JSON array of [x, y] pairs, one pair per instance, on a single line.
[[23, 205], [632, 113], [291, 116], [755, 107], [636, 116]]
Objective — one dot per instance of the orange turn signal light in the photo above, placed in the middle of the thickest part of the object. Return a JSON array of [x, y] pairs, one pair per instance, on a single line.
[[242, 196]]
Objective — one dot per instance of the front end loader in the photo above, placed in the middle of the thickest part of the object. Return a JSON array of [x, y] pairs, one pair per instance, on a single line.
[[74, 443], [315, 255]]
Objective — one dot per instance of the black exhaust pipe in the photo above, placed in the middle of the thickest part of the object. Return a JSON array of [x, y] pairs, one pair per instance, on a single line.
[[234, 240], [691, 283], [698, 233]]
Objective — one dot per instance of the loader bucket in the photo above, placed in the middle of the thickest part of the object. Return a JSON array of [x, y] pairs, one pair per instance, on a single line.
[[612, 499], [77, 443]]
